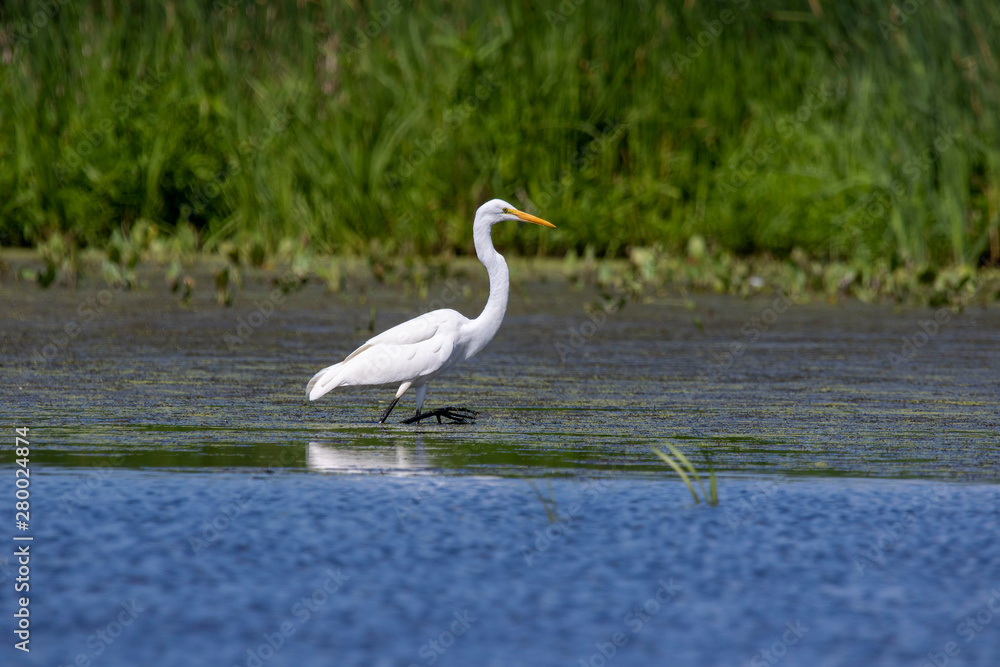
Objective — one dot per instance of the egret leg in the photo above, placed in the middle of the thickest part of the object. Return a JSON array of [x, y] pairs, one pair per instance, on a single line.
[[421, 393], [385, 415], [403, 388]]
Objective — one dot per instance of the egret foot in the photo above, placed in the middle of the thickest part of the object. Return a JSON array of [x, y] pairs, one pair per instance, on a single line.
[[455, 414]]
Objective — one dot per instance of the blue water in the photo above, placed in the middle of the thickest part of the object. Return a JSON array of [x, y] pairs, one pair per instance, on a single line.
[[162, 568]]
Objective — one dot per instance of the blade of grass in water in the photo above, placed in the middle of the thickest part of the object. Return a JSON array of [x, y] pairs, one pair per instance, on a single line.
[[712, 495], [680, 471], [683, 459]]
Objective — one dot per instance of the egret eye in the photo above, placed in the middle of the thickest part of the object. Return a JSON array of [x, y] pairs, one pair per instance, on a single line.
[[506, 210]]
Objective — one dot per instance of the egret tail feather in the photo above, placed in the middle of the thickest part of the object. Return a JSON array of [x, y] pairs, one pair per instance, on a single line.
[[323, 382]]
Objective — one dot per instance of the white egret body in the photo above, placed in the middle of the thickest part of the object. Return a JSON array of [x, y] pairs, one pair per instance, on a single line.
[[415, 352]]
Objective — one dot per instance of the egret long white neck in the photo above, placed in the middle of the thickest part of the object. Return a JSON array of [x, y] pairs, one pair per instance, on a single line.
[[488, 322]]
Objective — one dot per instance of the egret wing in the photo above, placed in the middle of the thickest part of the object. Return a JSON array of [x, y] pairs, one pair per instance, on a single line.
[[389, 363], [416, 348], [418, 329]]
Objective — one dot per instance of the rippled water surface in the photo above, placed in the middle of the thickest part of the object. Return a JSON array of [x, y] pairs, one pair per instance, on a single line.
[[181, 482]]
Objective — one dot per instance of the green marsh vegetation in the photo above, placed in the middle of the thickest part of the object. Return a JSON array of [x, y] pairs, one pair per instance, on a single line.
[[852, 149]]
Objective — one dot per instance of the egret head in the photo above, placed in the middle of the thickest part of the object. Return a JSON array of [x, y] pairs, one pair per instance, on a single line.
[[497, 210]]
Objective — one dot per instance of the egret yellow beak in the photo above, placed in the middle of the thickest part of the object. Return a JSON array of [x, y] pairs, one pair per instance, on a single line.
[[527, 217]]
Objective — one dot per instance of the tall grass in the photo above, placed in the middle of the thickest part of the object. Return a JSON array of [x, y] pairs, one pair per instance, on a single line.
[[628, 124]]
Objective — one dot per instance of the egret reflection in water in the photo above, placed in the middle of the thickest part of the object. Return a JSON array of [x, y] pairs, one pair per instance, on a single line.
[[357, 459]]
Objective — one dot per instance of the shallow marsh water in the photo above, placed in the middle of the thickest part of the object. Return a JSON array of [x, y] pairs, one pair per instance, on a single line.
[[179, 466]]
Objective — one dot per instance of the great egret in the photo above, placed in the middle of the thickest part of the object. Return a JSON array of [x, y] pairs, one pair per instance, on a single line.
[[415, 352]]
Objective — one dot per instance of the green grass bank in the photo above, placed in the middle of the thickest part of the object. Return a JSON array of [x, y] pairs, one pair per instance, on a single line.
[[863, 134]]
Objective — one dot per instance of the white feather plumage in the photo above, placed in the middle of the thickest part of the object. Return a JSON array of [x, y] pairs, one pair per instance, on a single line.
[[417, 351]]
